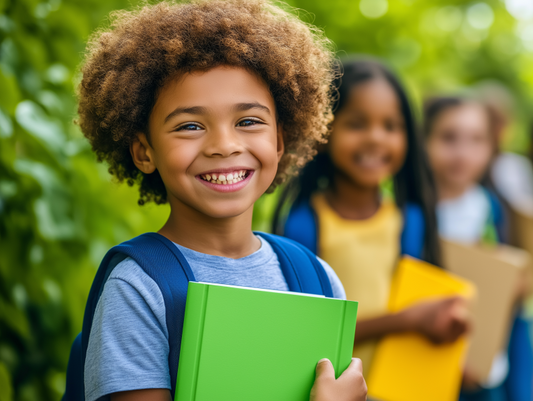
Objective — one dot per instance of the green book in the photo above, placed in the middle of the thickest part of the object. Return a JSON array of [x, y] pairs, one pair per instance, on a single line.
[[248, 344]]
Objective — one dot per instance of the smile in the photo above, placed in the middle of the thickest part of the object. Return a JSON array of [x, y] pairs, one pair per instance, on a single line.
[[225, 178], [371, 161], [226, 181]]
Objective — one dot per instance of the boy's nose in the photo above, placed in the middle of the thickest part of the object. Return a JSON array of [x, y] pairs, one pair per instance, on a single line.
[[223, 142]]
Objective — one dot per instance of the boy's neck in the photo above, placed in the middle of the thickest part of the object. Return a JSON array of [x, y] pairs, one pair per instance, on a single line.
[[351, 201], [230, 237]]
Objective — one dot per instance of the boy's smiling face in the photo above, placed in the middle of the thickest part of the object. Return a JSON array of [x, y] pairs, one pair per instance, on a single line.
[[215, 140]]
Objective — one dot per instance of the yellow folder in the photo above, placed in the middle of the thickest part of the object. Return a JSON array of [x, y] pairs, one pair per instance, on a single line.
[[407, 366]]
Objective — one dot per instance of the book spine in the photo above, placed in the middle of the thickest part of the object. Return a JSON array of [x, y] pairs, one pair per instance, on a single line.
[[346, 336], [191, 342]]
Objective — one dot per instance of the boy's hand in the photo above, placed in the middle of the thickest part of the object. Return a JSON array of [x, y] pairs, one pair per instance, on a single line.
[[350, 386], [441, 321]]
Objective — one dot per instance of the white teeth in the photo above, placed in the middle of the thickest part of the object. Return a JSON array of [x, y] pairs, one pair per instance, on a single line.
[[230, 178]]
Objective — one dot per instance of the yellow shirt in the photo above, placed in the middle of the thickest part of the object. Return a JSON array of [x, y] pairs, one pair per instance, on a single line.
[[364, 254]]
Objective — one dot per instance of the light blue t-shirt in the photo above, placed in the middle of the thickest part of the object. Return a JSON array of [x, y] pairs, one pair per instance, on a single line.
[[128, 345]]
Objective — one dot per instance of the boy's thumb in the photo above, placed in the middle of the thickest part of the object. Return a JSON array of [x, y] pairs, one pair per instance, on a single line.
[[355, 368], [324, 368]]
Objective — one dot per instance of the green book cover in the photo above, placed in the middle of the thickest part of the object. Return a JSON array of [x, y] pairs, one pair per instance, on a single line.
[[248, 344]]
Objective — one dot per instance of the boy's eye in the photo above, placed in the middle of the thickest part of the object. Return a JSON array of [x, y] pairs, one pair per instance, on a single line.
[[189, 127], [248, 122]]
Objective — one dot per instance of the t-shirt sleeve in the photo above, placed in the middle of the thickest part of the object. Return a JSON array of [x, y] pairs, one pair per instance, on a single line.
[[336, 285], [128, 344]]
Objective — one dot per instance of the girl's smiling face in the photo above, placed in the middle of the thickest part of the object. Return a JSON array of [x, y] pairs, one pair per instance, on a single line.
[[214, 139], [460, 145], [368, 141]]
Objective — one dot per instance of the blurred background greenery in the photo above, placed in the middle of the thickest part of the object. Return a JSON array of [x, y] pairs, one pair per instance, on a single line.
[[60, 211]]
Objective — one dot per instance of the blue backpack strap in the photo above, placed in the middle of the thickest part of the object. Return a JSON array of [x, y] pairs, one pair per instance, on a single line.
[[300, 267], [75, 387], [414, 229], [157, 256], [301, 226], [497, 217], [518, 383]]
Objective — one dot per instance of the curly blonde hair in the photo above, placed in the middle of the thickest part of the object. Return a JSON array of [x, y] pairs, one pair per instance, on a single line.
[[128, 63]]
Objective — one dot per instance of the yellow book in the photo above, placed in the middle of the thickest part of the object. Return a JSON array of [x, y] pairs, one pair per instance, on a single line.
[[407, 366]]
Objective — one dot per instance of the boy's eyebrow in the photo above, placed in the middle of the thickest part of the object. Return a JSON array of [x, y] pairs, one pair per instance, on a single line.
[[203, 110], [248, 106], [186, 110]]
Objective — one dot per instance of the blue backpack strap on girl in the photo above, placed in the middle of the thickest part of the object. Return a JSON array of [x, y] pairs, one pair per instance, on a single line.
[[414, 231], [302, 226], [497, 220], [167, 266]]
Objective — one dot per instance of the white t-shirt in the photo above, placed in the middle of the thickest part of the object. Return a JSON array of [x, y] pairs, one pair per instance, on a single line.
[[464, 218]]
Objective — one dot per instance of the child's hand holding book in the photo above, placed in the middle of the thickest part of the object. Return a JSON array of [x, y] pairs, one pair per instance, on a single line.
[[441, 321], [350, 386]]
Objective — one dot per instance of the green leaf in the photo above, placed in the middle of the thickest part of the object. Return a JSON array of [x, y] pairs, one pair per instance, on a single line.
[[10, 91], [34, 120], [6, 126], [14, 318], [6, 387]]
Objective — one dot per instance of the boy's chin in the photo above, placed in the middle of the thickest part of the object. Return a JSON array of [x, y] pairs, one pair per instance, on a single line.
[[221, 211]]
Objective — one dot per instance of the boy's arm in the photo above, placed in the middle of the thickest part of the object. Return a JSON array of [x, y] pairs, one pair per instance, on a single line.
[[350, 386], [153, 394], [441, 321], [128, 343]]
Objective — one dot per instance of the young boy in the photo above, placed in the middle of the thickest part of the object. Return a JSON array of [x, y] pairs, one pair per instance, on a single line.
[[205, 106]]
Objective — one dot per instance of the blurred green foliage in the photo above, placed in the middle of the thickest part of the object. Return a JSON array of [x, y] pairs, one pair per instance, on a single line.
[[60, 211]]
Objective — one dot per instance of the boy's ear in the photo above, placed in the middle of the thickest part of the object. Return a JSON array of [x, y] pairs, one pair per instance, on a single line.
[[142, 154], [281, 143]]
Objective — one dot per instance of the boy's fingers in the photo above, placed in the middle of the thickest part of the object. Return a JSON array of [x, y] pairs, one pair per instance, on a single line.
[[324, 368], [355, 368]]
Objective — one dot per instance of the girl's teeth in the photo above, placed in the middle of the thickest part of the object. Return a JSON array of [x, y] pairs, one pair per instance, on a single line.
[[230, 177], [208, 177], [214, 176], [222, 177]]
